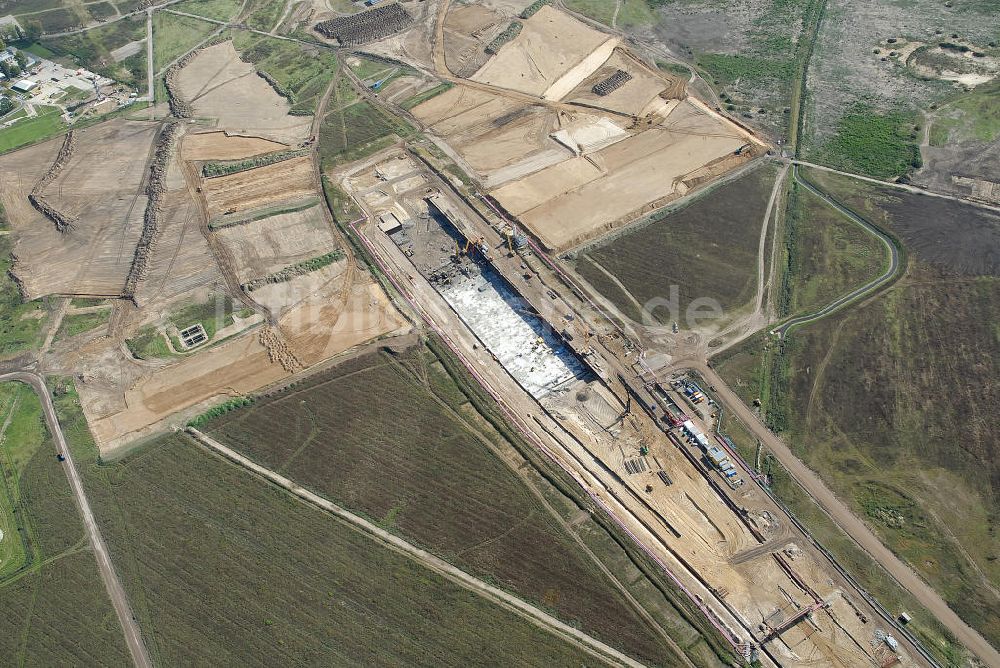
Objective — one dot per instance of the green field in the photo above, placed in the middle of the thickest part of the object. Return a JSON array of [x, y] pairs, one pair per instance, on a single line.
[[302, 72], [707, 249], [354, 128], [78, 323], [421, 461], [173, 36], [220, 10], [21, 324], [214, 314], [264, 14], [46, 124], [826, 254], [892, 401], [229, 570], [883, 145], [56, 611], [972, 117]]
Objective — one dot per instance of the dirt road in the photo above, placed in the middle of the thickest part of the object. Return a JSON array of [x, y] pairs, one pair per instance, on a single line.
[[115, 591], [898, 186], [887, 276], [591, 645], [849, 522]]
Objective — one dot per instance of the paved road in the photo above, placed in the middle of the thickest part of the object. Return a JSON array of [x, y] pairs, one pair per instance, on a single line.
[[890, 272], [579, 638], [115, 591], [845, 518]]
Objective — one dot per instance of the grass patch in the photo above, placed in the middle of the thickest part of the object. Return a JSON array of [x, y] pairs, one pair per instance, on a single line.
[[880, 145], [297, 269], [302, 72], [78, 323], [21, 323], [827, 254], [220, 10], [213, 169], [708, 248], [47, 123], [411, 102], [601, 11], [261, 214], [264, 14], [358, 130], [972, 117], [56, 611], [213, 315], [173, 36]]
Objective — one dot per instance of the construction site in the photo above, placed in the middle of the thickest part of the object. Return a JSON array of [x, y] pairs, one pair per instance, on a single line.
[[570, 131], [232, 258], [652, 458]]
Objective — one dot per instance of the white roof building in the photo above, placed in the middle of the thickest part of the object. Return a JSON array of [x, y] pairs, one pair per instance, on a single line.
[[25, 86]]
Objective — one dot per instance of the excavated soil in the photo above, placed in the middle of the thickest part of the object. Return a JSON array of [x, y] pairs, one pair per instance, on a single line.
[[260, 187]]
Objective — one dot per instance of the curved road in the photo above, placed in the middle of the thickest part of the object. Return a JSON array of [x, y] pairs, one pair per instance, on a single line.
[[116, 593], [889, 274]]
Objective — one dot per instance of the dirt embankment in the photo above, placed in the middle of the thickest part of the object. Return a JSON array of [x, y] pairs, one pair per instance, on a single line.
[[63, 222], [155, 190]]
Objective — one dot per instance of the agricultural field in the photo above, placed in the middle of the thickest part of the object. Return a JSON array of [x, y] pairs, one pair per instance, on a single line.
[[423, 462], [626, 14], [826, 254], [707, 248], [891, 401], [173, 36], [56, 611], [220, 10], [207, 591], [875, 63]]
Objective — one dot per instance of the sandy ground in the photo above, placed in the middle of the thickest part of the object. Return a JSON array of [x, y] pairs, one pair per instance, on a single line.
[[223, 146], [169, 394], [100, 185], [633, 98], [265, 246], [221, 86], [566, 204], [260, 187], [553, 53]]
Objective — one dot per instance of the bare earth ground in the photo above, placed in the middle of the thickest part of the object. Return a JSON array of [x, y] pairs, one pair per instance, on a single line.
[[101, 186], [222, 86], [223, 146], [265, 246], [261, 187], [553, 53]]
